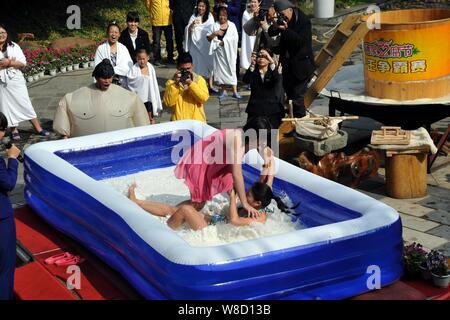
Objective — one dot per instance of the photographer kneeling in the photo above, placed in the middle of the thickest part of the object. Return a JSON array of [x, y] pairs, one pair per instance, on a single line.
[[296, 54], [187, 92], [267, 93], [8, 179]]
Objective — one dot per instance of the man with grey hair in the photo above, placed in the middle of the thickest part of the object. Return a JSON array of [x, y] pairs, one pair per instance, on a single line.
[[295, 50]]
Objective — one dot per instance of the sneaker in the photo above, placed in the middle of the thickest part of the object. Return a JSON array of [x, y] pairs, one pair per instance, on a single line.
[[44, 133], [237, 95], [213, 90], [223, 95], [15, 136]]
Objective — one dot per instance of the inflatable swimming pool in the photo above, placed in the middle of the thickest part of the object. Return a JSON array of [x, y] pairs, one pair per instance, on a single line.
[[347, 233]]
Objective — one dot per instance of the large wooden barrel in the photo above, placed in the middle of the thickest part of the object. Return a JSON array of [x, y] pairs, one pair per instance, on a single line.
[[409, 57]]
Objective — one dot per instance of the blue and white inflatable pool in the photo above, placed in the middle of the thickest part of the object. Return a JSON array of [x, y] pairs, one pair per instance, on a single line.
[[348, 234]]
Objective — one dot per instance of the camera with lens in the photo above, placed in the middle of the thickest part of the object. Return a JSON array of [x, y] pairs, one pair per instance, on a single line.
[[185, 75], [262, 14], [281, 19]]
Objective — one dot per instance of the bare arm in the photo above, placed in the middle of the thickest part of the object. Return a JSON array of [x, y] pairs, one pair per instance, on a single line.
[[268, 169], [234, 217]]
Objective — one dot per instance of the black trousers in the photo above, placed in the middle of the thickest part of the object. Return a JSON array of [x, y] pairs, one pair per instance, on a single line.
[[179, 24], [274, 119], [7, 257], [295, 91], [168, 34]]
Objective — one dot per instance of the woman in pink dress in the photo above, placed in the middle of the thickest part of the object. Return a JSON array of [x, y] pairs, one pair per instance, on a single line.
[[214, 164]]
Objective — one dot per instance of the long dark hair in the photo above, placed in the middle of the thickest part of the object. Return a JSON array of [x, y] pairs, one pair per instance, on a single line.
[[262, 192], [259, 123], [3, 122], [207, 12], [8, 41]]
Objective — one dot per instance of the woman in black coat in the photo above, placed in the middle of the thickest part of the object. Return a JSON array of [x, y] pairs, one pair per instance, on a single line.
[[8, 178], [133, 37], [266, 84]]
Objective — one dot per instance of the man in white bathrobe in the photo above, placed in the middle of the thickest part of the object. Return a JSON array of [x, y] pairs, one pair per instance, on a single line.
[[100, 107]]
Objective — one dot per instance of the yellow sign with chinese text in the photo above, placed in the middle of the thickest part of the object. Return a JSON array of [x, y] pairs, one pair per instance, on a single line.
[[408, 55]]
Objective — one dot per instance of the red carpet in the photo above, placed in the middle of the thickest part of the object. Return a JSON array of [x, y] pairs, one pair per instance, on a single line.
[[38, 281]]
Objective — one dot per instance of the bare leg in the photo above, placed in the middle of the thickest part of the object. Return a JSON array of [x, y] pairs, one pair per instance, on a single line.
[[36, 125], [234, 89], [155, 208], [188, 214]]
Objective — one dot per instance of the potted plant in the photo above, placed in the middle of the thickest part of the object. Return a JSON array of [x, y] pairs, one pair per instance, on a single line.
[[27, 73], [413, 256], [438, 265], [41, 71]]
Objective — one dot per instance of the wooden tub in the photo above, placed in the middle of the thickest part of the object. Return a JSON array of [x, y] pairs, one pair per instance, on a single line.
[[409, 57]]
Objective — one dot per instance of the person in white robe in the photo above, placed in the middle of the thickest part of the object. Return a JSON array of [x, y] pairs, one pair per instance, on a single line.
[[195, 39], [248, 42], [224, 40], [142, 81], [100, 107], [117, 53], [15, 102]]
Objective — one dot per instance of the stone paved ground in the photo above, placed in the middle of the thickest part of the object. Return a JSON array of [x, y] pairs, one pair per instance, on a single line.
[[426, 220]]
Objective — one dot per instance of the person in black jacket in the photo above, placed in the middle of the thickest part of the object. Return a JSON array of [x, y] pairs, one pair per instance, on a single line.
[[8, 178], [295, 49], [267, 93], [182, 11], [133, 37]]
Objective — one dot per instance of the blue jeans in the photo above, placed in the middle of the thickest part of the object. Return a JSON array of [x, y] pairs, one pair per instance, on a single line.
[[7, 257]]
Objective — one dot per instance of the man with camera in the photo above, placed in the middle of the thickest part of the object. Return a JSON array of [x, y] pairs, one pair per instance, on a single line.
[[187, 92], [259, 26], [295, 49]]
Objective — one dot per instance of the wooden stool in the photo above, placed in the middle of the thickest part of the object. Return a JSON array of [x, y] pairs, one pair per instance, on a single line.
[[406, 173]]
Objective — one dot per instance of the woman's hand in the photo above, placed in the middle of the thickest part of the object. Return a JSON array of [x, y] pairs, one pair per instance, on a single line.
[[5, 63], [267, 155], [252, 212], [219, 33], [253, 63], [13, 152]]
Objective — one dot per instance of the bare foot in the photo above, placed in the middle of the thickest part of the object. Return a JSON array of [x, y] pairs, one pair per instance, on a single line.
[[132, 193]]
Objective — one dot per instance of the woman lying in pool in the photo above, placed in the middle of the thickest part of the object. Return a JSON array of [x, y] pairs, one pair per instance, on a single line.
[[259, 196]]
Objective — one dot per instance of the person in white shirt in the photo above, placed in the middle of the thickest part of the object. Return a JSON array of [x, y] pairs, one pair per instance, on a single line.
[[224, 40], [116, 53], [195, 41], [15, 102], [142, 81]]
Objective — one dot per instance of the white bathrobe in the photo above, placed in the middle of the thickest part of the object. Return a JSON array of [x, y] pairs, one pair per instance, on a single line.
[[146, 87], [225, 56], [15, 102], [247, 43], [196, 43], [124, 62]]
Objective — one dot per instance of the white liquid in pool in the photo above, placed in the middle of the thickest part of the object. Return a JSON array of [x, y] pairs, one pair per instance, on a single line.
[[160, 185]]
